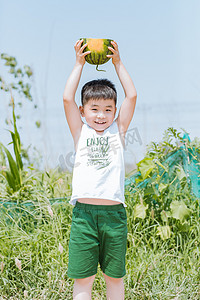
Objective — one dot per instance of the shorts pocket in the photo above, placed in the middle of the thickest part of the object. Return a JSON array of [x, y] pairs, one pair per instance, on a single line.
[[122, 215]]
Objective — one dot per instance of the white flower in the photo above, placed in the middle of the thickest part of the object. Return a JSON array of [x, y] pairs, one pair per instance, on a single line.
[[60, 248], [18, 263], [50, 210], [2, 266], [25, 294], [60, 181]]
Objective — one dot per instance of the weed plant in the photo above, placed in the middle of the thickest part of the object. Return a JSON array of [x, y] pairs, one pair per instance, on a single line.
[[163, 245], [34, 255]]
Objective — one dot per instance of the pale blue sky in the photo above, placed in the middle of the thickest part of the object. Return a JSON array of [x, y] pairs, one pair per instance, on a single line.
[[159, 43]]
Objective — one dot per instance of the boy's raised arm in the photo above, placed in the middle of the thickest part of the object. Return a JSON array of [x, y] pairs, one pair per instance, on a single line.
[[128, 106], [71, 109]]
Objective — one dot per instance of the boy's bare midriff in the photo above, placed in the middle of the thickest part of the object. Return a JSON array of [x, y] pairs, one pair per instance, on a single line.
[[95, 201]]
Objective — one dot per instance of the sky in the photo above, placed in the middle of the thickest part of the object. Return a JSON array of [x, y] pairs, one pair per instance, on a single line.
[[159, 44]]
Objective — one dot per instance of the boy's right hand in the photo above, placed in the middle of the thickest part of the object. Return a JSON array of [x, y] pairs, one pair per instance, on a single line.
[[80, 55]]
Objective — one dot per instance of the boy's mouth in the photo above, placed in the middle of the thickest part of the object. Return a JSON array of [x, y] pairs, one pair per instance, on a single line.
[[100, 122]]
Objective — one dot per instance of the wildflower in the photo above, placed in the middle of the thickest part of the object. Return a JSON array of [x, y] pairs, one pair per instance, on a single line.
[[2, 266], [50, 210], [3, 168], [25, 294], [18, 263], [60, 248], [60, 181], [49, 276]]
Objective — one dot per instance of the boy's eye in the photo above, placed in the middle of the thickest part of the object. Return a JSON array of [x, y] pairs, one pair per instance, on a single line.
[[108, 109], [94, 109]]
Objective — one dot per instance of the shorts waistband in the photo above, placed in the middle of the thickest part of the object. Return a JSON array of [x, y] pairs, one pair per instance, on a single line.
[[86, 206]]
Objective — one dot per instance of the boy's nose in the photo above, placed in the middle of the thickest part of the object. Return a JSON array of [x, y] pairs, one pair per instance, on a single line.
[[100, 115]]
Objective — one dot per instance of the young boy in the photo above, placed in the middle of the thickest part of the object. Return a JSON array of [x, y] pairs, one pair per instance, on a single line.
[[99, 224]]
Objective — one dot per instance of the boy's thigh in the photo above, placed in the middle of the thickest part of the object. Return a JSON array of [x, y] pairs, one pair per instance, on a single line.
[[83, 245], [113, 243]]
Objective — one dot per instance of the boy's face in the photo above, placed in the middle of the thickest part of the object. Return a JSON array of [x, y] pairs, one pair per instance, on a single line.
[[99, 114]]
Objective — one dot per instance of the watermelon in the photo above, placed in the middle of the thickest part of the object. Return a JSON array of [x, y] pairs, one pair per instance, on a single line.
[[99, 50]]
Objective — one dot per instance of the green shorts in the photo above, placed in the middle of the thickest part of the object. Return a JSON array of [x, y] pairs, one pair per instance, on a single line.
[[98, 235]]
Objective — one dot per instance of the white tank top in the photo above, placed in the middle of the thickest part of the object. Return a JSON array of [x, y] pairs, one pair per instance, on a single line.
[[99, 170]]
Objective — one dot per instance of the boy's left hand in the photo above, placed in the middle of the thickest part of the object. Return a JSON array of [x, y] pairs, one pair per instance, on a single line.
[[115, 56]]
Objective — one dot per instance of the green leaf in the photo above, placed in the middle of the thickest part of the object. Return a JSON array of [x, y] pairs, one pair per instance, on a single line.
[[146, 166], [13, 166], [5, 56], [148, 191], [140, 211], [180, 173], [161, 165], [28, 71], [12, 71], [13, 62], [19, 72], [38, 124], [16, 141], [17, 150], [164, 232], [164, 216], [162, 187], [11, 181], [179, 210], [184, 227]]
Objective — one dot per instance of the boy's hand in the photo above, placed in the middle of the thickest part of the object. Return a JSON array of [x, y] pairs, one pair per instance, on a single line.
[[80, 56], [115, 56]]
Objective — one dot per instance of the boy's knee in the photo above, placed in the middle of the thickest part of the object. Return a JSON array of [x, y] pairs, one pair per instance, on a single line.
[[85, 281], [112, 280]]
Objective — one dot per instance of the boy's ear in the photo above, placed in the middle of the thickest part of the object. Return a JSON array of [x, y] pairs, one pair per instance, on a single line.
[[81, 109]]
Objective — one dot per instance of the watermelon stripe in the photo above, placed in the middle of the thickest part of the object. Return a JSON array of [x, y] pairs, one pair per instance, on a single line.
[[98, 58]]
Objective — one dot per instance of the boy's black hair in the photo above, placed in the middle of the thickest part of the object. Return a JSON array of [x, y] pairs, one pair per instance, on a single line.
[[98, 89]]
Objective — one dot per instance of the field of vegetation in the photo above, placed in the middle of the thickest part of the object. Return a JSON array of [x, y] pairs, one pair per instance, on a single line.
[[163, 247], [163, 211]]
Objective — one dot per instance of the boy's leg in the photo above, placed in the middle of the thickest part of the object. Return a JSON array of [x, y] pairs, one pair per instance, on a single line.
[[82, 288], [115, 288], [83, 244], [113, 227]]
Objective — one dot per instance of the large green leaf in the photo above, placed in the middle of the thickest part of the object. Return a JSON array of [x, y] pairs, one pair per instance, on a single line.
[[164, 232], [146, 166], [140, 211], [11, 181], [16, 140], [180, 173], [13, 166], [162, 187], [179, 210], [17, 149], [161, 165], [164, 216]]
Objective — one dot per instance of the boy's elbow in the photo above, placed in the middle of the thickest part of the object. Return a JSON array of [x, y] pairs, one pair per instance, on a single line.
[[133, 97], [66, 99]]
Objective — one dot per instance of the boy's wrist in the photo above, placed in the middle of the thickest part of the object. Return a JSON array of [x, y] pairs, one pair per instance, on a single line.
[[78, 64], [118, 63]]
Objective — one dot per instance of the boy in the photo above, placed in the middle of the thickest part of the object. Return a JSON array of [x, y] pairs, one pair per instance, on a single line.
[[99, 225]]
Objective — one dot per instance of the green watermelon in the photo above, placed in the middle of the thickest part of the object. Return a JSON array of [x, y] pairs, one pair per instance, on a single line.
[[99, 50]]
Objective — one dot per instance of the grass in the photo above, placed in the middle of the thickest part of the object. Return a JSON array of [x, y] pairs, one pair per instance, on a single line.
[[34, 236], [156, 269]]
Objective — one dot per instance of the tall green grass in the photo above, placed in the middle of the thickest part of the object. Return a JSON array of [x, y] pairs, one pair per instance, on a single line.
[[163, 245], [34, 254]]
